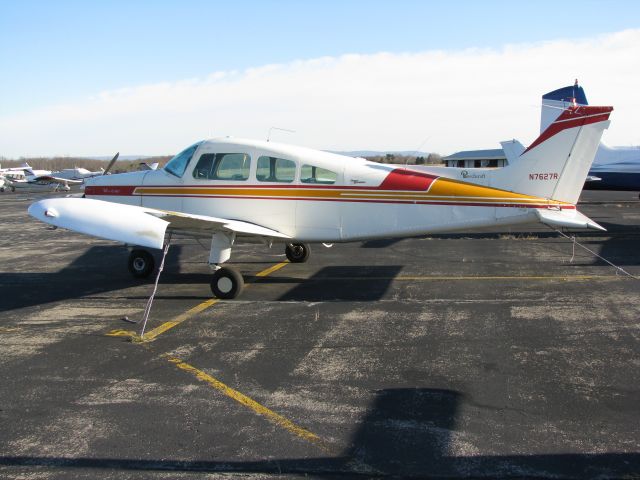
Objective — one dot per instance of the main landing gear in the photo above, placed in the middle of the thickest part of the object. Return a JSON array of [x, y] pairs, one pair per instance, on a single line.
[[297, 252], [227, 282], [141, 263]]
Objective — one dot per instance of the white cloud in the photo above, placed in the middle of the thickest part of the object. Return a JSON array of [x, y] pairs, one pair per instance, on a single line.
[[456, 99]]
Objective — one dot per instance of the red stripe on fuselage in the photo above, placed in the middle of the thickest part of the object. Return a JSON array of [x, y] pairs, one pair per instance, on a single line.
[[115, 190], [401, 179]]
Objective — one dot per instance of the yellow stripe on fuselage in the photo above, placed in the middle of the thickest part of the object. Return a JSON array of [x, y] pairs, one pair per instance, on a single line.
[[442, 190]]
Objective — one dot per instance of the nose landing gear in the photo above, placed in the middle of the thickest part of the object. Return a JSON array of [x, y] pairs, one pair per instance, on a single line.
[[227, 283]]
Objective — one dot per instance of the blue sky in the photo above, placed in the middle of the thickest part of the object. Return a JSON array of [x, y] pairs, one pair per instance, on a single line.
[[52, 51], [62, 52]]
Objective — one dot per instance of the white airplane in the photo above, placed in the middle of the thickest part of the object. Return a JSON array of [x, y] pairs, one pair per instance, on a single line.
[[230, 189], [78, 173], [40, 180], [26, 177]]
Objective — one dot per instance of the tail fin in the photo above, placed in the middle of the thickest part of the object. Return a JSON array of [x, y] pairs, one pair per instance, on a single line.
[[556, 164]]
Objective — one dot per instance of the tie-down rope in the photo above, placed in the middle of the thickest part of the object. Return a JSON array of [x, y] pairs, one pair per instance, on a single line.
[[576, 242]]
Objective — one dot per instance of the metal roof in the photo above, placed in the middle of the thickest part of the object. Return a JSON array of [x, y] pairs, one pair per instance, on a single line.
[[491, 154]]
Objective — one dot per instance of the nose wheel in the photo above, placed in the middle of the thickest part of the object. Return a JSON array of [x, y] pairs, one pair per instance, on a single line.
[[227, 283], [141, 263], [297, 252]]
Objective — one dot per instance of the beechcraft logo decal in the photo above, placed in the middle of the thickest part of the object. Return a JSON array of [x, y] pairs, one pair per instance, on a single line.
[[466, 174]]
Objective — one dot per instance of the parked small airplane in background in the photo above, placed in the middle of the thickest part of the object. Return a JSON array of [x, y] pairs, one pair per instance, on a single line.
[[40, 180], [231, 188], [26, 177]]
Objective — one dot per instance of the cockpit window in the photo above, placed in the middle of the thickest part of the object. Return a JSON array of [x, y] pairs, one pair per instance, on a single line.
[[312, 174], [177, 165], [222, 166]]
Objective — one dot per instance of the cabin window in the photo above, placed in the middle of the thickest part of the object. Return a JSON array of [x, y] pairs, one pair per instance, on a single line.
[[312, 174], [222, 166], [273, 169], [177, 165], [460, 163]]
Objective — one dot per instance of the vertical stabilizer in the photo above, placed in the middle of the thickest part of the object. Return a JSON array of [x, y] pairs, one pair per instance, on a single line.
[[556, 164]]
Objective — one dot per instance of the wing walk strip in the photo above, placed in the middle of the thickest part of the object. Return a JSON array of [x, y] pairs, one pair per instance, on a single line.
[[166, 326]]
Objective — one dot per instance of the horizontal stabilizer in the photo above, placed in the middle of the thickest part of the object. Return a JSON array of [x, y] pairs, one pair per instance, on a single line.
[[111, 221], [567, 219]]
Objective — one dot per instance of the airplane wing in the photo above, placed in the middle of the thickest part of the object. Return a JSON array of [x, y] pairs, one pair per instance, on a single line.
[[52, 179], [131, 224]]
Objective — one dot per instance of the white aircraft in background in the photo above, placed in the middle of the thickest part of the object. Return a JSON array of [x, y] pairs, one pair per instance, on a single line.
[[26, 177], [229, 189], [78, 173], [40, 180]]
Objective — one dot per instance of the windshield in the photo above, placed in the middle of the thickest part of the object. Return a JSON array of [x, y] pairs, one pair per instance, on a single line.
[[177, 165]]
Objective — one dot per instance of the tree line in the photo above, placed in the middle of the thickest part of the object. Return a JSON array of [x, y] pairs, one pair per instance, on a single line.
[[60, 163]]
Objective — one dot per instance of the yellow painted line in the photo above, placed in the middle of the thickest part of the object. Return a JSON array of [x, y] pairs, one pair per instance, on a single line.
[[272, 269], [251, 404], [166, 326]]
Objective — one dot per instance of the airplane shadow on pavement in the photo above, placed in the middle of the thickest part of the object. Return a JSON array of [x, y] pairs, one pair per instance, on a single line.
[[409, 433], [99, 269]]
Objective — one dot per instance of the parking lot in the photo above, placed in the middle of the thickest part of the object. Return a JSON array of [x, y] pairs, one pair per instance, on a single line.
[[495, 354]]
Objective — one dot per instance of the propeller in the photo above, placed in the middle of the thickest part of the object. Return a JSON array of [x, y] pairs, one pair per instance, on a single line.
[[113, 160]]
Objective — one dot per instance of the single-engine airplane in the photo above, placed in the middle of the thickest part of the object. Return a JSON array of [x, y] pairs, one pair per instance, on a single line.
[[232, 188]]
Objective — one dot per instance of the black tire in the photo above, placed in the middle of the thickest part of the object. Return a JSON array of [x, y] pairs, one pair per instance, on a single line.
[[141, 263], [227, 283], [297, 252]]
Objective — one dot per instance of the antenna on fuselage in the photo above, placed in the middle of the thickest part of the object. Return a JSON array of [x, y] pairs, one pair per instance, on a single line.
[[278, 128], [417, 150]]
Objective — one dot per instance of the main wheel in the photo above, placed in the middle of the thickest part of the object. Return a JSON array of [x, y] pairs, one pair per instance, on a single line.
[[297, 252], [227, 283], [141, 263]]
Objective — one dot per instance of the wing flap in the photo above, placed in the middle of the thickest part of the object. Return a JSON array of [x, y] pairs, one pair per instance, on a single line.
[[205, 223]]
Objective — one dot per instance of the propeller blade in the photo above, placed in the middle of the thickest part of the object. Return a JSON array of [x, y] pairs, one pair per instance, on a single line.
[[113, 160]]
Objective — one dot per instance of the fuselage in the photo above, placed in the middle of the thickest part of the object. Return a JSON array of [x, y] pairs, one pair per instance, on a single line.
[[312, 195]]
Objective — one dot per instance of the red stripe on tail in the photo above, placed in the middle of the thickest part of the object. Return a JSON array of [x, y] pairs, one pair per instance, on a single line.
[[570, 118]]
